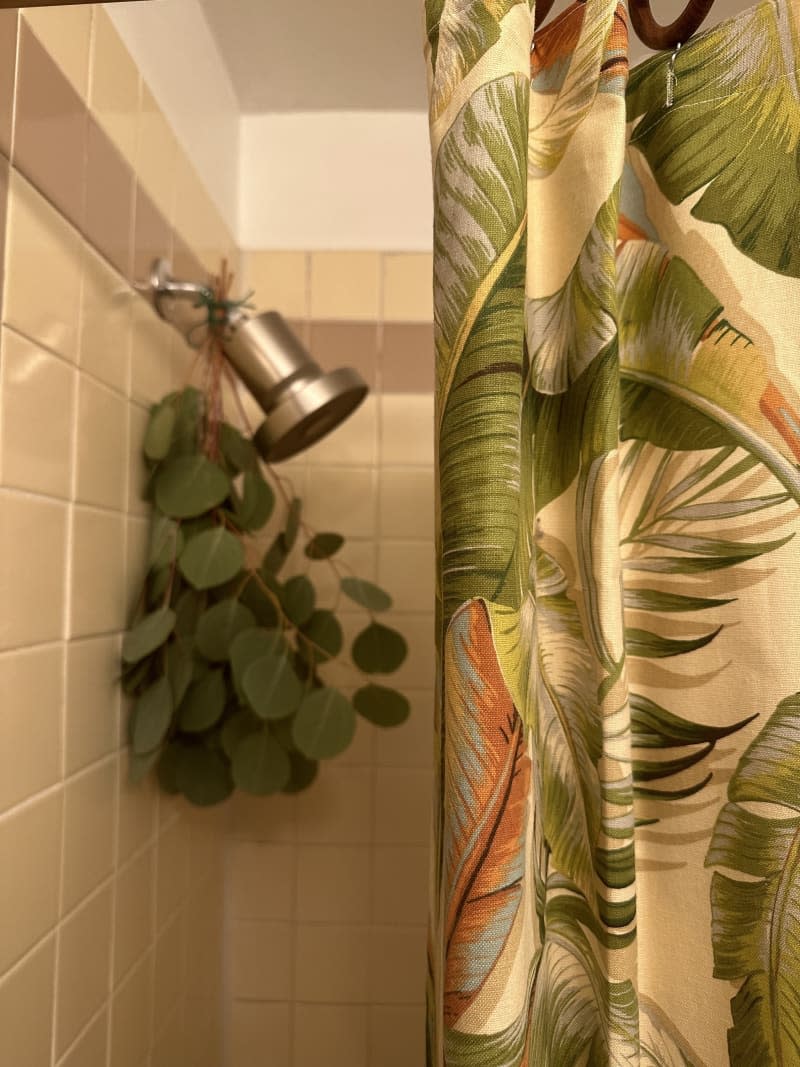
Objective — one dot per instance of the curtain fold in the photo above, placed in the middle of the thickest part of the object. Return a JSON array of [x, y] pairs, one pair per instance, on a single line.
[[616, 846]]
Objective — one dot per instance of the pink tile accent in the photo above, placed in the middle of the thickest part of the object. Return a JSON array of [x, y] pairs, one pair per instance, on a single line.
[[8, 63], [346, 344], [109, 200], [408, 358], [152, 235]]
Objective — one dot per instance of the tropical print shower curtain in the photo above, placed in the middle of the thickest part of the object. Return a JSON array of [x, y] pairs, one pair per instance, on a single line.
[[616, 873]]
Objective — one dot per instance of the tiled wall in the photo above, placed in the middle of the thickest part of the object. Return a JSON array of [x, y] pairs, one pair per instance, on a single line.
[[111, 897], [327, 890]]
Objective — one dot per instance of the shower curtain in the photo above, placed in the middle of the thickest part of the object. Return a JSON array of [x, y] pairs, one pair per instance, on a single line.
[[616, 848]]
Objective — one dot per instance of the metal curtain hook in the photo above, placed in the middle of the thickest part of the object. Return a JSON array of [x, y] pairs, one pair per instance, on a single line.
[[672, 78]]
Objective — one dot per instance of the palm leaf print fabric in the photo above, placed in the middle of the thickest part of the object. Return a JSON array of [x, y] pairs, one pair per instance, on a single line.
[[616, 847]]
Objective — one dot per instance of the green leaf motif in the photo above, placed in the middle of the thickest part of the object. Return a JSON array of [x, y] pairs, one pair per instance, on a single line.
[[367, 594], [151, 717], [381, 706], [271, 686], [259, 764], [298, 598], [158, 434], [148, 634], [219, 625], [379, 649], [324, 545], [325, 724], [189, 486], [211, 558], [204, 703]]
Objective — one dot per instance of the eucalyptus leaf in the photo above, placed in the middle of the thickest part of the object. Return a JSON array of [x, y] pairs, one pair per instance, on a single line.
[[188, 609], [140, 765], [189, 486], [275, 557], [211, 558], [157, 585], [237, 727], [168, 767], [324, 545], [324, 725], [151, 716], [292, 524], [158, 434], [259, 764], [148, 634], [166, 541], [271, 686], [179, 670], [135, 675], [368, 595], [237, 450], [298, 599], [256, 503], [303, 773], [323, 630], [381, 706], [204, 703], [378, 649], [204, 777], [249, 646], [218, 626], [189, 411], [263, 607]]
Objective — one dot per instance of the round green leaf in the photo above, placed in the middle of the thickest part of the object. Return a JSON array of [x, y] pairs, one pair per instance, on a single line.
[[298, 599], [179, 670], [156, 585], [324, 545], [260, 765], [168, 766], [237, 727], [324, 631], [203, 776], [166, 541], [271, 687], [368, 595], [148, 634], [190, 485], [151, 717], [379, 649], [254, 597], [158, 434], [274, 558], [237, 450], [381, 706], [324, 725], [249, 646], [303, 773], [292, 524], [135, 675], [188, 609], [189, 410], [204, 703], [256, 503], [211, 558], [140, 765], [218, 626]]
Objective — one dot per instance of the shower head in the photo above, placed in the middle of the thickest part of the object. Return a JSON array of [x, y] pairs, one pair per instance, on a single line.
[[300, 401]]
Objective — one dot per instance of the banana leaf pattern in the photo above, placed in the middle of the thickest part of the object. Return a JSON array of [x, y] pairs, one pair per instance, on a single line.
[[616, 841]]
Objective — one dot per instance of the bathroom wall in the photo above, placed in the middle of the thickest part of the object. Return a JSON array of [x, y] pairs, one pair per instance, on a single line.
[[111, 897], [327, 890]]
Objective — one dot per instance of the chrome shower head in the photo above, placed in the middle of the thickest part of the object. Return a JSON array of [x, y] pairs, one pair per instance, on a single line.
[[300, 401]]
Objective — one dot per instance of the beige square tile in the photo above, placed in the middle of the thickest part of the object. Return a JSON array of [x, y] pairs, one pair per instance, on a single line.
[[26, 1009], [252, 819], [407, 430], [89, 812], [204, 1037], [38, 415], [106, 331], [137, 470], [138, 804], [8, 72], [114, 88], [397, 1035], [197, 220], [131, 1013], [353, 442], [341, 499], [345, 285], [332, 964], [44, 256], [318, 1028], [279, 280], [30, 846], [337, 808], [409, 745], [84, 952], [398, 965], [168, 977], [151, 355], [260, 960], [356, 556], [408, 287], [4, 178], [402, 806], [134, 912], [98, 579], [50, 129], [254, 1027], [30, 722], [418, 671], [261, 880], [406, 570], [206, 841], [334, 883], [406, 502], [102, 459], [401, 884], [93, 701], [65, 32], [156, 154], [205, 947], [173, 870], [361, 751], [33, 545], [90, 1050], [169, 1048]]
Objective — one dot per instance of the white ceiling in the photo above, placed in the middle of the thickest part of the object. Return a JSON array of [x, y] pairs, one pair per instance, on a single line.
[[310, 56]]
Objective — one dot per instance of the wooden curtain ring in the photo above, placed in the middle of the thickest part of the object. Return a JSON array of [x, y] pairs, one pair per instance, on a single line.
[[543, 9], [665, 38]]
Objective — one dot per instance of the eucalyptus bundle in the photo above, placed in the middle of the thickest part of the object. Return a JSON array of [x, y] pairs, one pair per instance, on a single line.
[[225, 656]]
